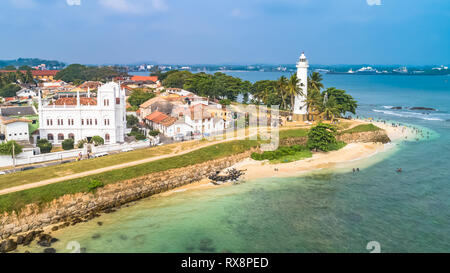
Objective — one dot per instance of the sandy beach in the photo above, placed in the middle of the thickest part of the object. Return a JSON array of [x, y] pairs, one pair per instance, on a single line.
[[320, 160]]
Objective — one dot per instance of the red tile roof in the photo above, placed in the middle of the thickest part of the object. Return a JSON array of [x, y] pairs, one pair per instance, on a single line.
[[161, 118], [73, 101], [44, 72], [144, 78]]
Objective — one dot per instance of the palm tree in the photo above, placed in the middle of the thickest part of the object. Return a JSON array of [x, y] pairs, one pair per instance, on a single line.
[[329, 109], [315, 81], [313, 101], [282, 90], [293, 89]]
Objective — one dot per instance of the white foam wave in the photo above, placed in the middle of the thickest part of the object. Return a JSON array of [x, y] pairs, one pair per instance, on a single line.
[[408, 115]]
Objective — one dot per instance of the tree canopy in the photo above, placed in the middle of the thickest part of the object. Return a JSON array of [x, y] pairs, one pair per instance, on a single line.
[[80, 73], [7, 148], [139, 96], [321, 137]]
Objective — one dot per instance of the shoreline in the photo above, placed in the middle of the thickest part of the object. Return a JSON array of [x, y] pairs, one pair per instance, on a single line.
[[351, 153]]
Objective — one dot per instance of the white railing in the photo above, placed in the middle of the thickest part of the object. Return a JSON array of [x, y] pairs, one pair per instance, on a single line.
[[24, 159]]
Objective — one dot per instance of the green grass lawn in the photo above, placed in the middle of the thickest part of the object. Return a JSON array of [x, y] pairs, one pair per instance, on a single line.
[[292, 133], [36, 175], [362, 128], [45, 194], [290, 158]]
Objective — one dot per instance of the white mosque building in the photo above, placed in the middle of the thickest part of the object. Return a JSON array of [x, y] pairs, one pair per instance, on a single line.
[[300, 109], [84, 117]]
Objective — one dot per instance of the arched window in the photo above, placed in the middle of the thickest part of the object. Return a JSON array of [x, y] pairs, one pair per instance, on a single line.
[[72, 136], [107, 137], [50, 137], [60, 136]]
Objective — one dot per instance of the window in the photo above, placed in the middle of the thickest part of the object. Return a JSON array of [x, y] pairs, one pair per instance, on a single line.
[[82, 121], [72, 136], [50, 137], [95, 121], [106, 102], [117, 100], [107, 137], [106, 121], [60, 136]]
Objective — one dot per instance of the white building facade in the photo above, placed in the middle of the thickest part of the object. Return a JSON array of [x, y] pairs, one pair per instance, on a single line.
[[15, 129], [84, 117], [300, 109]]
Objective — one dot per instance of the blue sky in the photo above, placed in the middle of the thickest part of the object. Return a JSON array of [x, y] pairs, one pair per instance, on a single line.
[[227, 31]]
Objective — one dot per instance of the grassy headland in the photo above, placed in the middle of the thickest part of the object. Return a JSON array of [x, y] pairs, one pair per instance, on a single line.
[[41, 195]]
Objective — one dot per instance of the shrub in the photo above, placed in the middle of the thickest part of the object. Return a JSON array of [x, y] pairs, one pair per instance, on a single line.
[[97, 140], [81, 143], [321, 136], [94, 184], [44, 145], [154, 133], [132, 120], [68, 144]]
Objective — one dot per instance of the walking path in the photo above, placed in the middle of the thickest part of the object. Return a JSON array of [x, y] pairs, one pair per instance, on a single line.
[[110, 168]]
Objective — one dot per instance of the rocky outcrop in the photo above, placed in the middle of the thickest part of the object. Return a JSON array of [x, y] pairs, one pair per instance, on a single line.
[[372, 136], [75, 208]]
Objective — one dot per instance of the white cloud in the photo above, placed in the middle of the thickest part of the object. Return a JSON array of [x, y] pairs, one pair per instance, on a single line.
[[374, 2], [73, 2], [135, 6]]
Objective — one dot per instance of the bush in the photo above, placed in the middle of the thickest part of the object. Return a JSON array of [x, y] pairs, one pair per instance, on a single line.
[[94, 184], [97, 140], [132, 120], [154, 133], [81, 143], [321, 137], [68, 144], [44, 145], [225, 102]]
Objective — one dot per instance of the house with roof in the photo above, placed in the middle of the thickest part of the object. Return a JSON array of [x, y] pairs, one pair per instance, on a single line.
[[84, 117], [26, 93], [167, 125], [14, 129], [17, 111]]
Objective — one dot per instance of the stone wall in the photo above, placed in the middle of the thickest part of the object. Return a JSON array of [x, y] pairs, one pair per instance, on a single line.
[[70, 209], [373, 136]]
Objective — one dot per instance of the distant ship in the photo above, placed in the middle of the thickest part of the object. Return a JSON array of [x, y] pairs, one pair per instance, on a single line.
[[401, 70], [367, 70]]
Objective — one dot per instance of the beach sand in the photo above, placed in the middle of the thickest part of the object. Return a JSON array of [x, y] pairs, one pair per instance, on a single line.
[[320, 160]]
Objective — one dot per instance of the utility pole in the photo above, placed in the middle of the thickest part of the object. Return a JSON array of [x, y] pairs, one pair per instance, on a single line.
[[14, 157]]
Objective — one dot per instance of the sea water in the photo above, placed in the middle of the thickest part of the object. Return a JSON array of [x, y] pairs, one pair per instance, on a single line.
[[333, 210]]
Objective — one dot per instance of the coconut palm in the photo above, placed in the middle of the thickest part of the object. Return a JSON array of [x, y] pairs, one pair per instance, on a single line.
[[315, 81], [329, 109], [293, 89], [282, 83]]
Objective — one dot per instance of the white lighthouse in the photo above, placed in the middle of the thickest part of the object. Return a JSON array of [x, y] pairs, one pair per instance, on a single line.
[[300, 109]]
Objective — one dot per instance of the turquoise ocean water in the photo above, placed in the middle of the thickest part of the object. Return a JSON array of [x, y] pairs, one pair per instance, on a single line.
[[324, 211]]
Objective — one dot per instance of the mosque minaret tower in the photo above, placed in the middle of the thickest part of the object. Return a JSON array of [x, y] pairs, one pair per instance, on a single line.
[[300, 109]]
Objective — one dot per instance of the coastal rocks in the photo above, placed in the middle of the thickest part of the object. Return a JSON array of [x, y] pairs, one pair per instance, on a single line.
[[365, 137], [417, 108], [422, 108], [7, 246], [50, 250]]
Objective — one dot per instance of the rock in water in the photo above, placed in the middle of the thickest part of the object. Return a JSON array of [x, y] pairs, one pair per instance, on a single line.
[[7, 246], [422, 108], [50, 250]]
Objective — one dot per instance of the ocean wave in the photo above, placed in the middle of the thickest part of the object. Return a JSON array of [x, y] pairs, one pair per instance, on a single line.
[[409, 115]]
